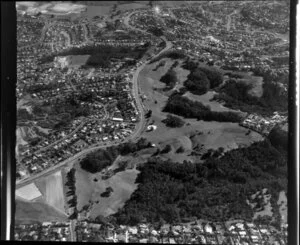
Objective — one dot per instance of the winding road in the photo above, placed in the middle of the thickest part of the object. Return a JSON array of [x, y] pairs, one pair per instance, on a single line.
[[138, 129]]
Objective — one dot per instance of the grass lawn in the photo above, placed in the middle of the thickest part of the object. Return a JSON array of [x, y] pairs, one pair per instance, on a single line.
[[215, 134]]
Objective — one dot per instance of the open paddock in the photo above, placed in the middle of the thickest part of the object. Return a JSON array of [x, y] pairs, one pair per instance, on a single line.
[[28, 212], [52, 190], [123, 184]]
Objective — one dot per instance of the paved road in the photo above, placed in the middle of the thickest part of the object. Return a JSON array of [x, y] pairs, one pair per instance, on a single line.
[[61, 165], [140, 126]]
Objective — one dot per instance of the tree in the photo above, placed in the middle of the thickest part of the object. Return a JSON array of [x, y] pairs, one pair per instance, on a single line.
[[173, 121], [170, 79]]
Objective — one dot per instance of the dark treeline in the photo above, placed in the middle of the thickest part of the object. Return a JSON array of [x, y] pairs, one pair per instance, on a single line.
[[96, 161], [179, 105], [215, 190], [201, 79], [100, 54], [70, 183], [236, 96]]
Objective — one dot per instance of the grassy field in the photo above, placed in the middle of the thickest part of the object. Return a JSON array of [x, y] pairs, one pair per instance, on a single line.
[[77, 60], [27, 212], [123, 184], [52, 190], [226, 135], [215, 134]]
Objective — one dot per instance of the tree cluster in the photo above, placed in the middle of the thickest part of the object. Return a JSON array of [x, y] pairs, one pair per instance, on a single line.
[[72, 192], [197, 82], [173, 121], [170, 79], [201, 79], [177, 104], [100, 55], [215, 190], [97, 161], [236, 96]]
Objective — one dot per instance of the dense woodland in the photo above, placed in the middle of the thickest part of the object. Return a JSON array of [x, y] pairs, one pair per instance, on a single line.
[[235, 93], [215, 190], [182, 106], [236, 96], [201, 78]]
